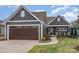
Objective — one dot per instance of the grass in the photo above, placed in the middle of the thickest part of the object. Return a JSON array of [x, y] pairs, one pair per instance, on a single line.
[[65, 45]]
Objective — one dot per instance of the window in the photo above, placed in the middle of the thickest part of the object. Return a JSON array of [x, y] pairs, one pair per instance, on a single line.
[[60, 28], [63, 29], [22, 13], [58, 19]]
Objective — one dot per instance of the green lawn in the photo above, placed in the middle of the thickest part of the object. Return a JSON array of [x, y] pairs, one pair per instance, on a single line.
[[65, 45]]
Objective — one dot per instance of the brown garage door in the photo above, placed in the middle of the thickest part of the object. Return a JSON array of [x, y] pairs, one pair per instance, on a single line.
[[22, 32]]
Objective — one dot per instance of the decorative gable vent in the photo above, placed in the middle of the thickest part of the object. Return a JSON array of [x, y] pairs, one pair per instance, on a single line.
[[22, 13], [58, 19]]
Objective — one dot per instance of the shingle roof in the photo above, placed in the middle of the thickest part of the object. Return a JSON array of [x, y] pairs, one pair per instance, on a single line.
[[48, 19], [61, 22], [1, 23], [41, 15]]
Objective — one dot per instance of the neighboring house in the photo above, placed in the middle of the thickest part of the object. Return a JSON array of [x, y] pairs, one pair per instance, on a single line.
[[23, 24], [75, 27], [2, 28]]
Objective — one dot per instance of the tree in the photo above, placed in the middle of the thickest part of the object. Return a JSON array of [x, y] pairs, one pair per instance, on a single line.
[[76, 23]]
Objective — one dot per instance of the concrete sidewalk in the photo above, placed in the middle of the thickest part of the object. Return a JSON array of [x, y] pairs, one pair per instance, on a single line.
[[53, 41]]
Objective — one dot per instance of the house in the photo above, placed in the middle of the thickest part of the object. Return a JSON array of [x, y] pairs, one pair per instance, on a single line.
[[2, 33], [58, 26], [23, 24], [75, 27]]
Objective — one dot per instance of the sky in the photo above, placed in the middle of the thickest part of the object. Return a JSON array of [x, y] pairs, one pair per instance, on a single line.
[[70, 12]]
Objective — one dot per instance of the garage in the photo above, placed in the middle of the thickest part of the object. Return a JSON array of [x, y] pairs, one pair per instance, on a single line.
[[23, 32]]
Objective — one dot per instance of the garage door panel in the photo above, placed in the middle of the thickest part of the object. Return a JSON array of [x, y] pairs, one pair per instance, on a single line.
[[24, 33]]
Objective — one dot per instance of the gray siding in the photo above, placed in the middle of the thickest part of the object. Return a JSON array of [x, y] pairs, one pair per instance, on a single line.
[[56, 30], [44, 30], [2, 30], [18, 17], [61, 22]]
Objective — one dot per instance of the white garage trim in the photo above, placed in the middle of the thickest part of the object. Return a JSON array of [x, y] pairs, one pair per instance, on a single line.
[[23, 21], [8, 26]]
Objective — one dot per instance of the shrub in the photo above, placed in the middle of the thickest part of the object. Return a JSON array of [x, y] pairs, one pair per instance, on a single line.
[[43, 39], [77, 48], [72, 36], [47, 37]]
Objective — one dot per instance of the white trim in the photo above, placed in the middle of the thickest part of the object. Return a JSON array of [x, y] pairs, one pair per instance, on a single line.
[[58, 19], [25, 25], [14, 13], [5, 32], [41, 30], [62, 29], [22, 13], [23, 21], [8, 26]]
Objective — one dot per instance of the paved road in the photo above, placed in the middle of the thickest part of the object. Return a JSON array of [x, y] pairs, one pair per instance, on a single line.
[[17, 46]]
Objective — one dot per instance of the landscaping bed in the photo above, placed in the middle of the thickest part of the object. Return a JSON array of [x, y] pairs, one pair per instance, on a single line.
[[65, 45], [2, 39]]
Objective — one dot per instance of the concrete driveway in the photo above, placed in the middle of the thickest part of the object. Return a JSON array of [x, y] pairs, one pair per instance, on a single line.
[[17, 46]]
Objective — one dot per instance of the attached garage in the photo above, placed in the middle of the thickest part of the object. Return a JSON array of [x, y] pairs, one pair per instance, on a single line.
[[23, 32], [23, 25]]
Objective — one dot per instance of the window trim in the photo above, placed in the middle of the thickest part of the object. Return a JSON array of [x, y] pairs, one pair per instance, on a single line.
[[62, 29], [58, 19], [22, 13]]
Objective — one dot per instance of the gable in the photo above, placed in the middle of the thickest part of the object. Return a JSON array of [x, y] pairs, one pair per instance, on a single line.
[[16, 16], [59, 21], [27, 16]]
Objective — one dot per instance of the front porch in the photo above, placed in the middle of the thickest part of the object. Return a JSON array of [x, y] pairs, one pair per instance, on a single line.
[[57, 31]]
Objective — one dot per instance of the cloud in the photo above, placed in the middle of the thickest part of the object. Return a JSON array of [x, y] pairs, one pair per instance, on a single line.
[[70, 17], [76, 11], [69, 12], [39, 10], [59, 9]]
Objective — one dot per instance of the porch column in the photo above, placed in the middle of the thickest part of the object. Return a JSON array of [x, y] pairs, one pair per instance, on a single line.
[[5, 29], [41, 30], [7, 32]]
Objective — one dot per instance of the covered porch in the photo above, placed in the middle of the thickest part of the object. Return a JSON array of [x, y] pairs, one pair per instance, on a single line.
[[57, 30]]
